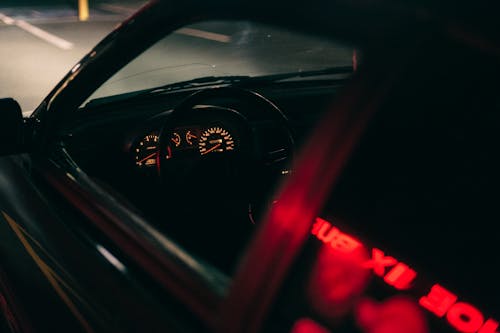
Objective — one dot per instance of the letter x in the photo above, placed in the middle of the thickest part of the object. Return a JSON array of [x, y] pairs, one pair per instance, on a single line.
[[379, 262]]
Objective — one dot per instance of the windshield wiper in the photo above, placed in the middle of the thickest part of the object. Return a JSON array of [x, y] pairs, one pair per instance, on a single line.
[[234, 80], [199, 82], [205, 81], [301, 74], [238, 80]]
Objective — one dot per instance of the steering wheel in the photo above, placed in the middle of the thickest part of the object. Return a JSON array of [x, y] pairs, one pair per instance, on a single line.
[[264, 140], [218, 183]]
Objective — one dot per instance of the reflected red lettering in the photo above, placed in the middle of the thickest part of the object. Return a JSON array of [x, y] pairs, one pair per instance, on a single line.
[[317, 225], [438, 301], [464, 317], [379, 262], [400, 276], [327, 232], [490, 326], [333, 236], [345, 243]]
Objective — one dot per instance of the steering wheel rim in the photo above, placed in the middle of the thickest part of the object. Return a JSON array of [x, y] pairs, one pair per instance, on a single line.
[[257, 109]]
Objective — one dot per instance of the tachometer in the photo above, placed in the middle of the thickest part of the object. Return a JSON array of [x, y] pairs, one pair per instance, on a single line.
[[146, 150], [215, 140]]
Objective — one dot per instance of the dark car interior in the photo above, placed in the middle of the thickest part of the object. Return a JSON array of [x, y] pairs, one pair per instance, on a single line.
[[346, 181], [221, 194], [423, 180]]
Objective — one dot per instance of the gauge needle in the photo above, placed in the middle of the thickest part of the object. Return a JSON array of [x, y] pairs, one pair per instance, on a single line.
[[211, 149], [147, 157]]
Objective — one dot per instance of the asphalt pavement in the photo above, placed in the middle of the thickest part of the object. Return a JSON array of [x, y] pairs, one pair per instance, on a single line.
[[40, 44]]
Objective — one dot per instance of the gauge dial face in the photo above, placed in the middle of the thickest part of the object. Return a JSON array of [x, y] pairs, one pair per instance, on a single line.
[[191, 138], [176, 139], [146, 150], [215, 140]]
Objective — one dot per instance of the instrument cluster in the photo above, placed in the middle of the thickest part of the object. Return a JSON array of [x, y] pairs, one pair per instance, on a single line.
[[187, 140]]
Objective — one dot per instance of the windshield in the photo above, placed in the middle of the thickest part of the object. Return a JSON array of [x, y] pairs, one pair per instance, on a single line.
[[224, 48]]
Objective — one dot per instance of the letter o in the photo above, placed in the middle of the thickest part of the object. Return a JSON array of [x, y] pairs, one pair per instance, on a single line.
[[464, 317]]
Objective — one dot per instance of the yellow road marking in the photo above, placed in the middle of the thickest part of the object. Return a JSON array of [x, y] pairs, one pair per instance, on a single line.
[[49, 274]]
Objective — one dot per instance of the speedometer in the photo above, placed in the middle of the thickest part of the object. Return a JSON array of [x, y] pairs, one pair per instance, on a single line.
[[215, 140], [146, 150]]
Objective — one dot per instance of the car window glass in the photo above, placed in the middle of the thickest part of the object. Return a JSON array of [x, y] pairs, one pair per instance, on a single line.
[[221, 163], [224, 48], [405, 241]]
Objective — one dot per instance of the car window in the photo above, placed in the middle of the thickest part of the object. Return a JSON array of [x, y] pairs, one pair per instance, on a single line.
[[404, 242], [208, 182], [225, 48]]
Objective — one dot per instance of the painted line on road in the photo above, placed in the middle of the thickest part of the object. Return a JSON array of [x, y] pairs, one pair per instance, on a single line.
[[46, 36], [35, 31], [117, 9], [7, 20], [204, 34]]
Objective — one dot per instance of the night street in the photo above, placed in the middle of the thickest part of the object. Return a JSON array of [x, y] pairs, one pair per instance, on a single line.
[[40, 44]]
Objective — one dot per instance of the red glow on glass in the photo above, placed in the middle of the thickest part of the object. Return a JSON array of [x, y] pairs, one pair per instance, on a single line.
[[438, 301], [400, 276], [327, 232], [158, 162], [379, 262], [395, 315], [306, 325], [334, 237], [337, 280], [366, 313], [490, 326], [464, 317]]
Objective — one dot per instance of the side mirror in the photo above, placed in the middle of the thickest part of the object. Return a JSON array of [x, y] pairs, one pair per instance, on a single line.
[[11, 127]]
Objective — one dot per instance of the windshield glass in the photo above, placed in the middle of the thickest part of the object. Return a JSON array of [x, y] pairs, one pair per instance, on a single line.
[[226, 48]]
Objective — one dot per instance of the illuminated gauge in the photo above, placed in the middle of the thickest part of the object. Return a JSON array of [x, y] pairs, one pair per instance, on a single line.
[[145, 151], [191, 138], [215, 140], [176, 139]]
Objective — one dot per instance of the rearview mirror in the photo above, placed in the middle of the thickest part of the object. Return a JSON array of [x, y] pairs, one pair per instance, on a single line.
[[11, 127]]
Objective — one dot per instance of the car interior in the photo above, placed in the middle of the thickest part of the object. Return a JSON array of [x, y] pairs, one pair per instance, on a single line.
[[224, 149], [202, 163]]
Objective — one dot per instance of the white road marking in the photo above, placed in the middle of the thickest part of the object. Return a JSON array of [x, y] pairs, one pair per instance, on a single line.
[[7, 20], [204, 34], [46, 36], [42, 34], [118, 9]]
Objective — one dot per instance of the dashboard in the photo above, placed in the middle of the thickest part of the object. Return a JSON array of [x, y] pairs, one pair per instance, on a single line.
[[218, 158], [207, 136], [119, 143]]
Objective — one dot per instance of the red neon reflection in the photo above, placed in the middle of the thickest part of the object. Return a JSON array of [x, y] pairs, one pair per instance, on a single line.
[[464, 317], [337, 240], [306, 325], [379, 262], [395, 315], [400, 276], [158, 162], [490, 326], [337, 280], [438, 301]]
